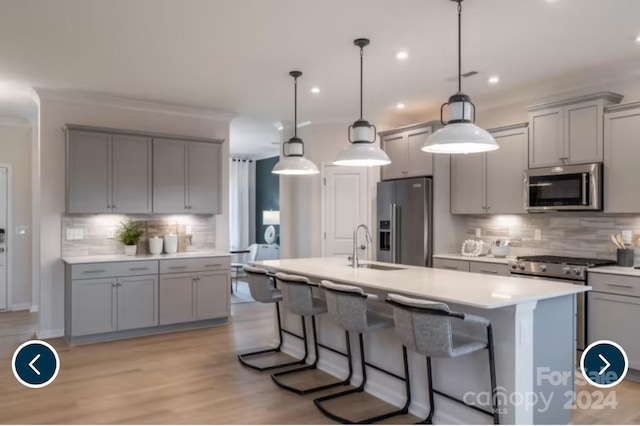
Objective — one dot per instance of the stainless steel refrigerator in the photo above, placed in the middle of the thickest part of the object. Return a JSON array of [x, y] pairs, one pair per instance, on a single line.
[[405, 221]]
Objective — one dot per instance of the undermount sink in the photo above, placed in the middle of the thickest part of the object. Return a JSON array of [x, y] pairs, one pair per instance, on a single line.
[[379, 267]]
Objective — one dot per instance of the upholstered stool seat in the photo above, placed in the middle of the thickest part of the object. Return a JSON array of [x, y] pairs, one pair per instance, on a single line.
[[427, 328]]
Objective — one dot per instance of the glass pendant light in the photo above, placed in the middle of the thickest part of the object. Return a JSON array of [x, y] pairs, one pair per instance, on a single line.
[[293, 161], [460, 135], [362, 150]]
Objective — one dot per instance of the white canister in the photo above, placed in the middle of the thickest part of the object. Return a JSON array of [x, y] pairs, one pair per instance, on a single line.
[[155, 245], [171, 243]]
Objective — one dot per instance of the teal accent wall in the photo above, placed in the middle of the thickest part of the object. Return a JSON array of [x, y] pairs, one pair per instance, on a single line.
[[267, 194]]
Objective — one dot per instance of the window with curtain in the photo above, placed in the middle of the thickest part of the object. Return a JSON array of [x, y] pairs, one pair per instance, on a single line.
[[239, 203]]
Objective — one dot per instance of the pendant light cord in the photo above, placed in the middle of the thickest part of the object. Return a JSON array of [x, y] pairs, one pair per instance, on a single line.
[[459, 46], [295, 107], [361, 78]]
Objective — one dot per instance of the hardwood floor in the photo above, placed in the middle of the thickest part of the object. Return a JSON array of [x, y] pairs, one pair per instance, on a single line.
[[189, 377]]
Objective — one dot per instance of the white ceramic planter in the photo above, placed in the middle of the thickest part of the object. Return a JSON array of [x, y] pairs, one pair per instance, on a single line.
[[130, 250], [155, 245]]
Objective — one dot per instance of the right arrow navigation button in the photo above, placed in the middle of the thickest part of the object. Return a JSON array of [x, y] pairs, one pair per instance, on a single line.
[[604, 364]]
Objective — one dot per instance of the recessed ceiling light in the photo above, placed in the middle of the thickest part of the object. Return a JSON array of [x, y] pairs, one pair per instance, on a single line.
[[638, 39], [402, 55], [494, 79], [400, 105], [315, 89]]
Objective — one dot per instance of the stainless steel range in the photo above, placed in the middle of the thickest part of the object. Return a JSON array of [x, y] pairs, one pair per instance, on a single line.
[[560, 268]]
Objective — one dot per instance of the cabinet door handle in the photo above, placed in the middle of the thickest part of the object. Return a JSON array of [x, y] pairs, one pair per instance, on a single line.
[[114, 284], [138, 269], [177, 267], [620, 285], [96, 271], [489, 272]]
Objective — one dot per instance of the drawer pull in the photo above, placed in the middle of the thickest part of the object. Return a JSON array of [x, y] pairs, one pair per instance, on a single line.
[[177, 267], [138, 269], [484, 271], [453, 268], [620, 285], [212, 265], [97, 271]]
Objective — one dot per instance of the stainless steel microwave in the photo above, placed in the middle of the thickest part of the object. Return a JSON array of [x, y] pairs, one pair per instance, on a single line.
[[577, 187]]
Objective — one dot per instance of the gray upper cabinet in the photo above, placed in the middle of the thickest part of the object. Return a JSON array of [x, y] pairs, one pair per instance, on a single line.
[[204, 178], [128, 172], [395, 147], [169, 176], [186, 177], [568, 131], [404, 148], [468, 183], [492, 182], [622, 150], [505, 171], [88, 172], [131, 174]]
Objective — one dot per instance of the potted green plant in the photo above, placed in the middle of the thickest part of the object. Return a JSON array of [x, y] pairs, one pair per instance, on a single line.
[[129, 234]]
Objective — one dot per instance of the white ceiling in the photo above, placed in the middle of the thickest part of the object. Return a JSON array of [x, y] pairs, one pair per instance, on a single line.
[[235, 55]]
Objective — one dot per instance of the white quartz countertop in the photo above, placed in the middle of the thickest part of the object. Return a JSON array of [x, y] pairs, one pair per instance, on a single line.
[[464, 288], [123, 258], [616, 270], [485, 259]]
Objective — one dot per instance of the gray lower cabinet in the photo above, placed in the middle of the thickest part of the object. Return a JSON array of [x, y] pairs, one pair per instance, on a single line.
[[176, 298], [474, 266], [614, 317], [105, 305], [137, 302], [492, 183], [451, 264], [194, 296], [93, 306]]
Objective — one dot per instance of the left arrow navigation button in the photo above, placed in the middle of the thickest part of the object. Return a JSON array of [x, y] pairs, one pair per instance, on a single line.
[[35, 364]]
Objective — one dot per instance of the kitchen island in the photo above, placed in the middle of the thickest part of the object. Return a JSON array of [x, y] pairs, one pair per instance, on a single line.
[[534, 339]]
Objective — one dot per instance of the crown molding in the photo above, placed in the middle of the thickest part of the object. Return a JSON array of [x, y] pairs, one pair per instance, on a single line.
[[612, 98], [87, 98], [6, 120]]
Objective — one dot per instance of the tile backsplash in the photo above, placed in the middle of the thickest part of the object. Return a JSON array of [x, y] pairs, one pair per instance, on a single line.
[[96, 229], [566, 234]]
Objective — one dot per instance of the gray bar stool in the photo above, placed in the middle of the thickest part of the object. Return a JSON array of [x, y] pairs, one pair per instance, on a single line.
[[299, 300], [426, 328], [348, 308], [263, 290]]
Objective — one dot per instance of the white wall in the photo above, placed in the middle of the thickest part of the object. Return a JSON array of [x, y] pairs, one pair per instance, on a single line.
[[15, 150], [54, 114]]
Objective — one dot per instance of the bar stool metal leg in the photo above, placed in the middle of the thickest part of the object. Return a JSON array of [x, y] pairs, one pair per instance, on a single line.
[[492, 370], [276, 376], [360, 388], [243, 357]]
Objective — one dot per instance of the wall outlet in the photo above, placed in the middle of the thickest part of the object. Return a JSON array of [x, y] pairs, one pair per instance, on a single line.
[[537, 234], [627, 236], [478, 232], [75, 234], [111, 232]]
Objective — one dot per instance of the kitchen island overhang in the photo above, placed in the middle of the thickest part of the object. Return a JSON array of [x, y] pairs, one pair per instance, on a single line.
[[534, 336]]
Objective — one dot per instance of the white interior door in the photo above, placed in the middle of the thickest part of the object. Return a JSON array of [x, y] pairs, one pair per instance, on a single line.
[[4, 201], [346, 199]]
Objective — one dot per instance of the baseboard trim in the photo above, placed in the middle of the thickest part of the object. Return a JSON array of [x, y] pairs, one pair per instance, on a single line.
[[34, 308], [20, 307], [49, 334]]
